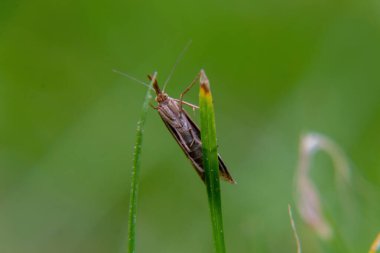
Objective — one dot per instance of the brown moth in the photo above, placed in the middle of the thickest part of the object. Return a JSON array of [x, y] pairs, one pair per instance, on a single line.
[[183, 128]]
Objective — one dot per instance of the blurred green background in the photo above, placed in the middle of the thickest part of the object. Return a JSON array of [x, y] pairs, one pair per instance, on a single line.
[[277, 69]]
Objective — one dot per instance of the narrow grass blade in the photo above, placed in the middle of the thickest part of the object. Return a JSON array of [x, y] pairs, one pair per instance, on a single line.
[[309, 203], [136, 172], [296, 237], [375, 248], [308, 197], [210, 161]]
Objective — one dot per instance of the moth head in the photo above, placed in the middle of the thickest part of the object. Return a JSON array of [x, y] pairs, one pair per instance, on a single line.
[[161, 97]]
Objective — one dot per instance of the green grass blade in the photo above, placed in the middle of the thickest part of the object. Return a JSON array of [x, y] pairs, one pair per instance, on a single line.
[[136, 172], [210, 161]]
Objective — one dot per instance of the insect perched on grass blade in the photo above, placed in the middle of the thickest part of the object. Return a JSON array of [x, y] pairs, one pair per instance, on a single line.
[[183, 128]]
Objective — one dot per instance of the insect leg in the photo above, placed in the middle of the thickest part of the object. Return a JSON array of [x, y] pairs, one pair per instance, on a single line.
[[186, 103], [187, 90], [192, 135]]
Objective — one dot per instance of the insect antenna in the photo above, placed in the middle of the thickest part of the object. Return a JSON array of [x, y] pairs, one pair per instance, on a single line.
[[176, 63], [133, 78]]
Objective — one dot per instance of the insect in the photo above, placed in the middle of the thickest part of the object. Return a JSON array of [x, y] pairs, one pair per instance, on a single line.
[[183, 128]]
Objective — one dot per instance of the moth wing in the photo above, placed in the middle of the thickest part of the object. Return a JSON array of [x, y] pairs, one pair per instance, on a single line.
[[224, 173], [175, 134]]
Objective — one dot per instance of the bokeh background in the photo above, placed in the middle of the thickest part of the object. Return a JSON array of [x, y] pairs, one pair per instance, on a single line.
[[277, 69]]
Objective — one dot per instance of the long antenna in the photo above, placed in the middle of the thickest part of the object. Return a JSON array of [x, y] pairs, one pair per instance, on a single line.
[[176, 63], [132, 78]]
